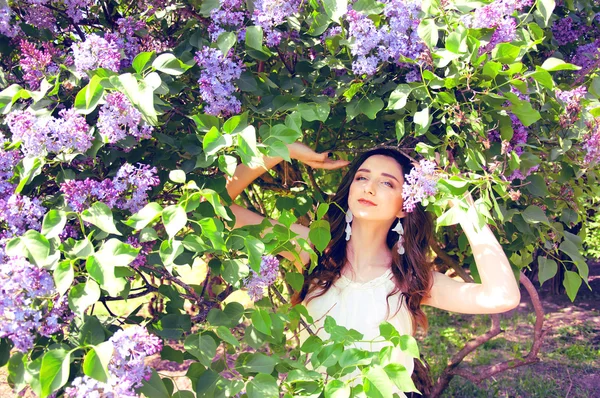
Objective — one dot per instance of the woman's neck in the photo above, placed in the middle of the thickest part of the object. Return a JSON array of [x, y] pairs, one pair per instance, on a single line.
[[367, 249]]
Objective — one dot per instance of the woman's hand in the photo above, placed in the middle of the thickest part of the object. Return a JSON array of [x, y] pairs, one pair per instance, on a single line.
[[306, 155]]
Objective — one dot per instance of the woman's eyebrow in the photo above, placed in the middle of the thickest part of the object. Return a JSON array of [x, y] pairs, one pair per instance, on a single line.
[[383, 174]]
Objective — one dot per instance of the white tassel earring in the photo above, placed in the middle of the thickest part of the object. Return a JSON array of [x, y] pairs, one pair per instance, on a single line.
[[400, 230], [349, 218]]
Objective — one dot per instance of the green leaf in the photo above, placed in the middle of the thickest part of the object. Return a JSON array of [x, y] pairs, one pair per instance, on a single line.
[[314, 111], [101, 216], [335, 9], [214, 141], [54, 372], [399, 97], [174, 218], [141, 60], [54, 223], [36, 246], [572, 283], [154, 387], [83, 295], [554, 64], [367, 106], [337, 389], [409, 345], [377, 383], [177, 176], [225, 41], [261, 321], [254, 43], [87, 98], [95, 363], [169, 250], [547, 269], [506, 53], [319, 234], [213, 198], [231, 316], [169, 64], [91, 333], [534, 214], [368, 7], [452, 216], [546, 8], [312, 344], [247, 148], [422, 119], [234, 271], [523, 109], [255, 249], [400, 376], [262, 386], [255, 363], [428, 31], [145, 216], [354, 357], [225, 334], [201, 346], [63, 276]]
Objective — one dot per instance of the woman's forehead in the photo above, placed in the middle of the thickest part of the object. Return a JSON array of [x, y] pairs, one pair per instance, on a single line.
[[382, 163]]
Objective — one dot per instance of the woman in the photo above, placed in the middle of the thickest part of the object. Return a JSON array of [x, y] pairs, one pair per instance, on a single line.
[[376, 265]]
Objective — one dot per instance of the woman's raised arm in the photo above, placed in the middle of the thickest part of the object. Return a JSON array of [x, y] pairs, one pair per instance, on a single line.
[[498, 290], [244, 175]]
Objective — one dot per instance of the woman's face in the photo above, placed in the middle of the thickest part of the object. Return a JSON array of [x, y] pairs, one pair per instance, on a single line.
[[376, 191]]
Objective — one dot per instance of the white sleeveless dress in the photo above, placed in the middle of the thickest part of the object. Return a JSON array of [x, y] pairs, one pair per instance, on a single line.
[[363, 306]]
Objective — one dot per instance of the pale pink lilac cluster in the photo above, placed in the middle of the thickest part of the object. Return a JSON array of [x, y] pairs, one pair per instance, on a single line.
[[498, 16], [43, 135], [218, 73], [419, 184], [29, 303], [96, 52], [36, 63], [137, 180], [118, 118], [127, 371], [81, 194], [230, 14], [7, 28], [271, 13], [256, 284], [396, 39]]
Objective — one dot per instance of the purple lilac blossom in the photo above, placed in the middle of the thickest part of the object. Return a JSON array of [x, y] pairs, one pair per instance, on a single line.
[[80, 194], [126, 369], [39, 16], [400, 38], [591, 143], [38, 136], [145, 248], [6, 27], [230, 13], [565, 31], [216, 81], [419, 184], [497, 15], [269, 268], [118, 118], [519, 137], [137, 179], [571, 98], [96, 52], [518, 175], [270, 13], [25, 294], [20, 213], [126, 40], [8, 161], [586, 56], [75, 8], [413, 76]]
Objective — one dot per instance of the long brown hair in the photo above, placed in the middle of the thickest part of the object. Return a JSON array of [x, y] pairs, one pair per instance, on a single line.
[[412, 270]]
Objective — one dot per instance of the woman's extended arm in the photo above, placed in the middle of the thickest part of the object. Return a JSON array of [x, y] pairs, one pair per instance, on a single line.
[[244, 175], [498, 290]]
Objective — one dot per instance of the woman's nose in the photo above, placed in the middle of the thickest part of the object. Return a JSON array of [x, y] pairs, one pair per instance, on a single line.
[[369, 187]]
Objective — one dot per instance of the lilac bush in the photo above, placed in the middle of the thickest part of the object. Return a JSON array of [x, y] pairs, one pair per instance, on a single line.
[[258, 282]]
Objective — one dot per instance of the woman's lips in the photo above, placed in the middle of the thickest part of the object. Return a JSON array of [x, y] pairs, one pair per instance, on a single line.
[[366, 202]]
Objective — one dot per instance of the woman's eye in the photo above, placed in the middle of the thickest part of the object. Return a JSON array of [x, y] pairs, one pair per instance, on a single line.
[[389, 184], [360, 178]]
